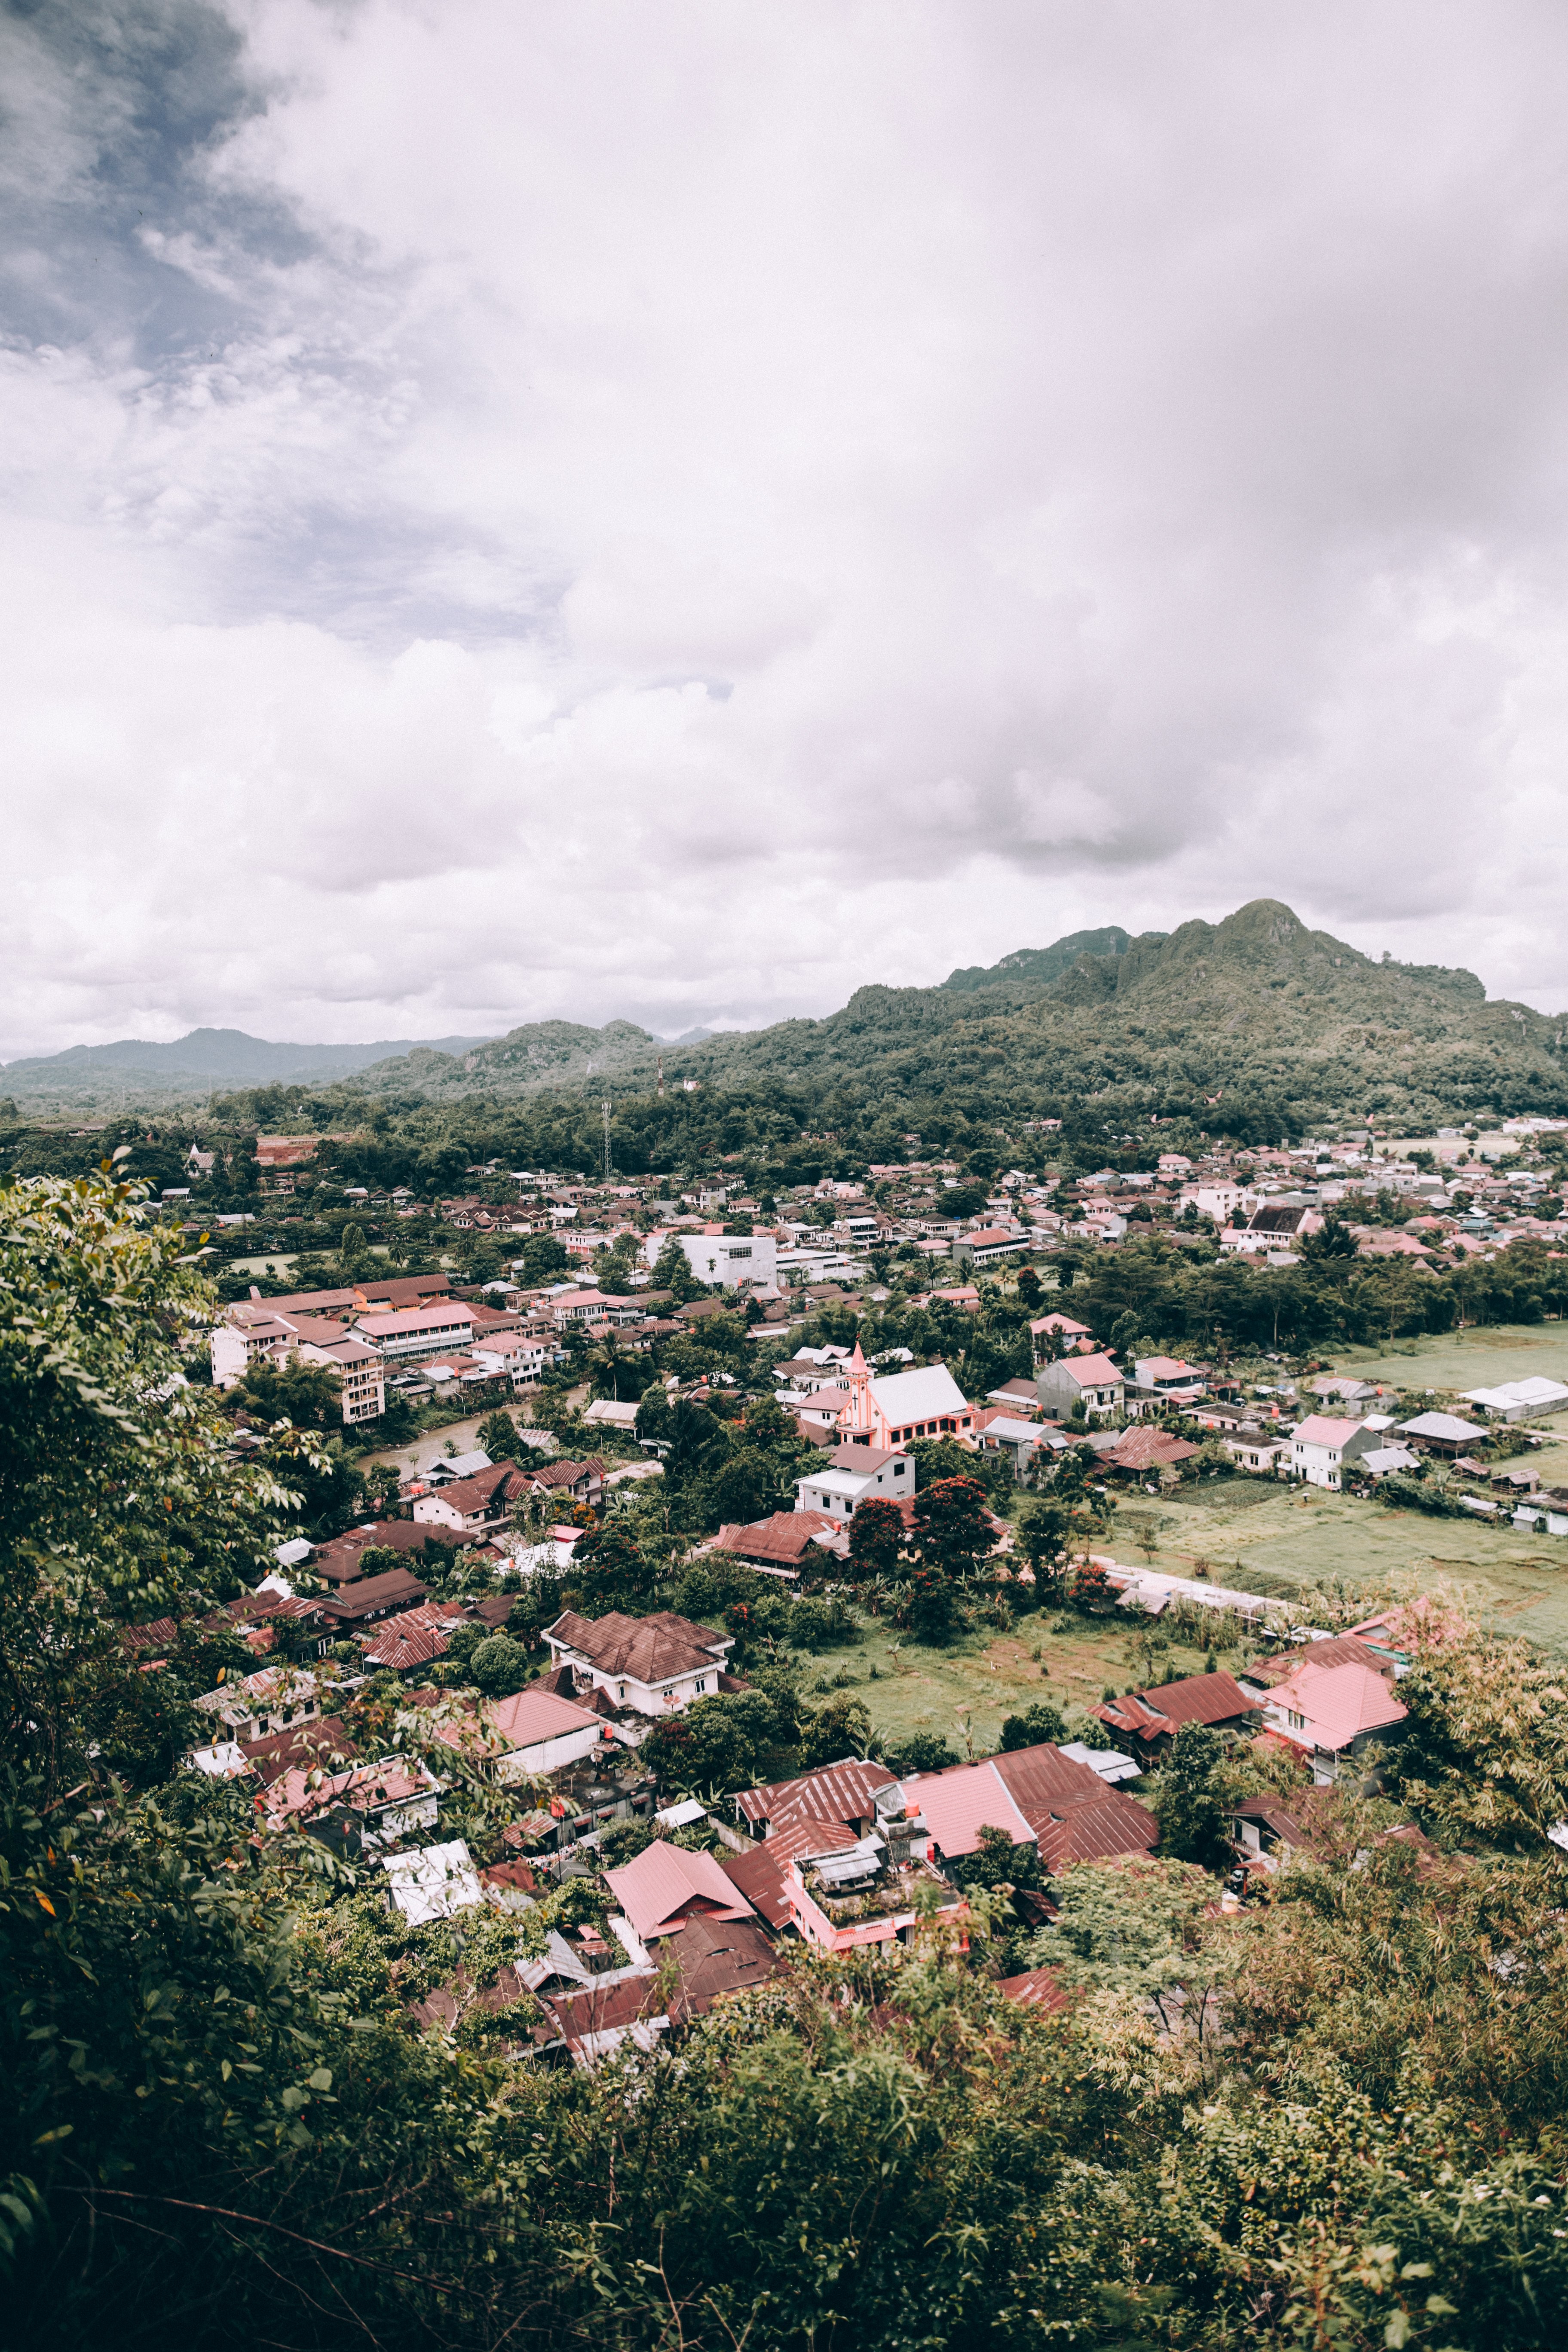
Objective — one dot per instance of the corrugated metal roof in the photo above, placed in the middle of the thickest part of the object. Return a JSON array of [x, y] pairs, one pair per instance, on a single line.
[[658, 1886]]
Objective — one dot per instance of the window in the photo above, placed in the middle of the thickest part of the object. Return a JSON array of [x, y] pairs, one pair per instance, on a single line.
[[701, 1683]]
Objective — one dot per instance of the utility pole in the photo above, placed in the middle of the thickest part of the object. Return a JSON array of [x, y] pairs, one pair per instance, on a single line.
[[661, 1077], [605, 1107]]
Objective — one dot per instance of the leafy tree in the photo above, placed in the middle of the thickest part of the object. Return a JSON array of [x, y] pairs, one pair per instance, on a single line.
[[933, 1608], [1484, 1753], [922, 1751], [1045, 1535], [997, 1862], [672, 1271], [842, 1727], [745, 1487], [1040, 1721], [306, 1396], [544, 1257], [497, 1436], [612, 1572], [951, 1531], [723, 1742], [499, 1666], [1126, 1926], [1191, 1798], [876, 1537]]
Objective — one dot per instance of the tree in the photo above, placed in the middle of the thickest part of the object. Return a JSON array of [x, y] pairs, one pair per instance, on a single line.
[[745, 1487], [922, 1751], [497, 1436], [1039, 1722], [499, 1666], [1190, 1797], [306, 1396], [1485, 1749], [951, 1531], [931, 1608], [876, 1537], [1045, 1532], [842, 1727], [997, 1862], [611, 1571], [543, 1256], [672, 1271], [1124, 1926]]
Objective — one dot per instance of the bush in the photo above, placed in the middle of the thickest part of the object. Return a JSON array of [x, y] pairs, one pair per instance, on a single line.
[[1040, 1722]]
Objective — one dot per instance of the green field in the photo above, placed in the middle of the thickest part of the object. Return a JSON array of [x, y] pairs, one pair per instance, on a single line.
[[1479, 1358], [962, 1694]]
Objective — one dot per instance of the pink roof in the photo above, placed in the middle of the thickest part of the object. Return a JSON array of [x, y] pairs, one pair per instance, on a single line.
[[1338, 1701], [1322, 1429], [1093, 1371], [419, 1318], [530, 1716], [659, 1888], [1168, 1367], [958, 1805]]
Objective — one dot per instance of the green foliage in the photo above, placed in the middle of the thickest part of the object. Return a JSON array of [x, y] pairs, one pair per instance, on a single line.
[[922, 1751], [1484, 1751], [876, 1537], [497, 1436], [544, 1259], [498, 1667], [1040, 1721], [951, 1531], [1190, 1796]]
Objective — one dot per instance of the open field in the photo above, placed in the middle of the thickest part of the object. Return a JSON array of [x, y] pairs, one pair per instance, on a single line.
[[1476, 1358], [965, 1692], [1304, 1536]]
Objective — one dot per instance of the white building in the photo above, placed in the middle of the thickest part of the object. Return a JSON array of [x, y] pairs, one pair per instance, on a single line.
[[1517, 1399], [728, 1259], [252, 1332], [856, 1473], [1093, 1381], [1322, 1445], [650, 1665]]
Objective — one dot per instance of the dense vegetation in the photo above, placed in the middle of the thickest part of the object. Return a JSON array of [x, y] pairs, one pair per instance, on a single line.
[[221, 2125]]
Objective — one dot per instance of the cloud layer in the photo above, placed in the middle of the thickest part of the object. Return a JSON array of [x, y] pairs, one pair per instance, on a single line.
[[676, 510]]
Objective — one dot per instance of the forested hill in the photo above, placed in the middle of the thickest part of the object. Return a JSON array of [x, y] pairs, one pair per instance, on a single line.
[[1257, 1007]]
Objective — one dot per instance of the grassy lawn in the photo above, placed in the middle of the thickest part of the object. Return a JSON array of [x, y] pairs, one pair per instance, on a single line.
[[1479, 1358], [1271, 1538], [968, 1690]]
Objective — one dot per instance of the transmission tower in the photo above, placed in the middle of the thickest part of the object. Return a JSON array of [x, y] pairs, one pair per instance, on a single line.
[[605, 1109]]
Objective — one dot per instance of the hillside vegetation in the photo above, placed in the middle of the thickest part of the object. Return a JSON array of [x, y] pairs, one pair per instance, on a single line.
[[1258, 1005]]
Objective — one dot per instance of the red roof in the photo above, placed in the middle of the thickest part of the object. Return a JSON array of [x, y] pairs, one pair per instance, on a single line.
[[1036, 1989], [1198, 1698], [664, 1885]]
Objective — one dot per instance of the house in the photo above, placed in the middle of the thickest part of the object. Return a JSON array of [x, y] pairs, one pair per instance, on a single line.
[[370, 1598], [1272, 1227], [362, 1806], [854, 1473], [1268, 1831], [541, 1732], [650, 1665], [1264, 1456], [1331, 1714], [1441, 1433], [1015, 1396], [1092, 1384], [1152, 1718], [431, 1882], [1069, 1811], [1143, 1452], [1322, 1444], [264, 1702], [1160, 1380], [1009, 1432], [664, 1887], [777, 1545], [479, 1505], [563, 1482], [1055, 1330], [845, 1792]]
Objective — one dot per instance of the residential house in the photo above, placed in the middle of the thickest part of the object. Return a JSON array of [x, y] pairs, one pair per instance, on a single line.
[[648, 1665], [1441, 1433], [476, 1507], [777, 1545], [1003, 1431], [1332, 1714], [1150, 1719], [1519, 1399], [363, 1806], [1323, 1445], [1059, 1331], [1093, 1382], [1145, 1453], [664, 1887], [262, 1704], [1160, 1380], [855, 1474]]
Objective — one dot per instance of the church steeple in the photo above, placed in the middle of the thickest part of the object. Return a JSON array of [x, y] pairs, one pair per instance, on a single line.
[[858, 1417]]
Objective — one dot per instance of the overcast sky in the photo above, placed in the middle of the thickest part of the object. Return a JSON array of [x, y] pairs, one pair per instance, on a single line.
[[515, 511]]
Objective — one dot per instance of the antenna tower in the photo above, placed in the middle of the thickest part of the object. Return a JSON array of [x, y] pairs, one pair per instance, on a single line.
[[605, 1107]]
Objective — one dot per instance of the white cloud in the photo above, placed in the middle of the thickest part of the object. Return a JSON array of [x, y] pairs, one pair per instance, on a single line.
[[680, 510]]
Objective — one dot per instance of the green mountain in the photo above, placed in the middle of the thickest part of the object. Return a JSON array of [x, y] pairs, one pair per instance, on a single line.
[[1257, 1007], [133, 1067], [1043, 964]]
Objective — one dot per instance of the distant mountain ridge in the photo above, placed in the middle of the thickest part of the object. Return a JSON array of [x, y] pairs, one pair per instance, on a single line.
[[1257, 1005], [228, 1057]]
